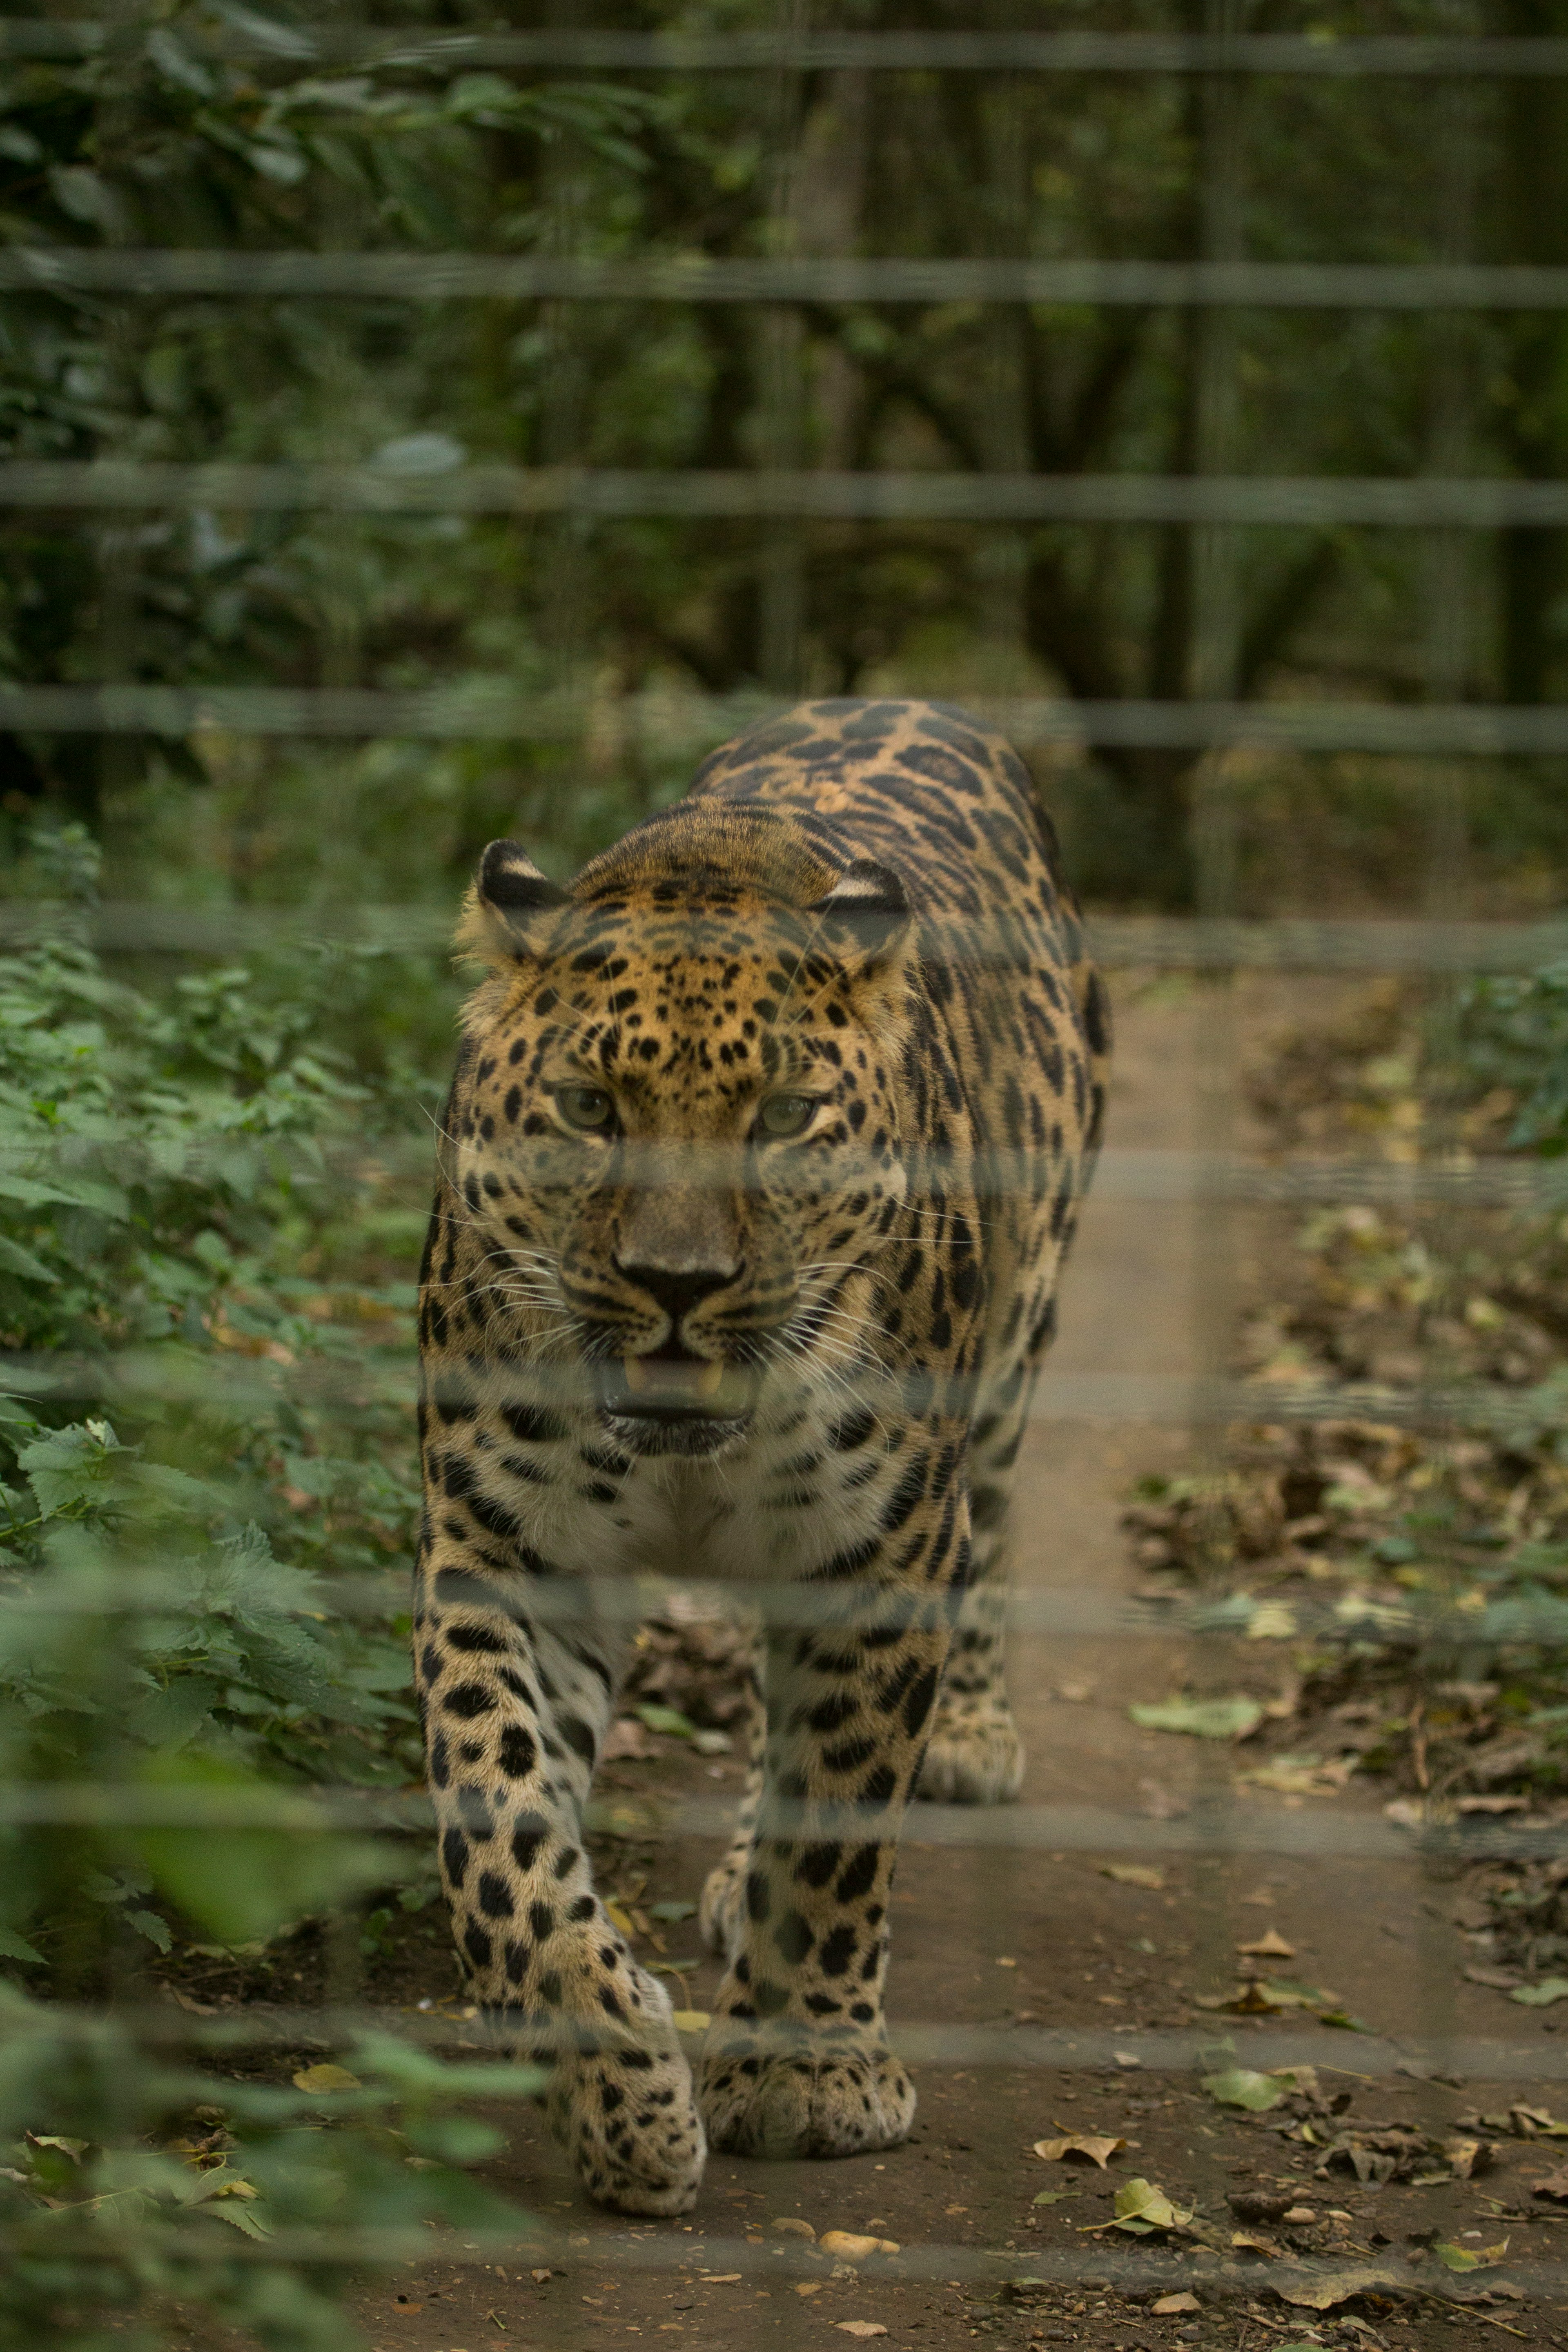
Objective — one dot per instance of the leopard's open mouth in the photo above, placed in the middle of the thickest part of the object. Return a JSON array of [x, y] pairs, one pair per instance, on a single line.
[[676, 1388]]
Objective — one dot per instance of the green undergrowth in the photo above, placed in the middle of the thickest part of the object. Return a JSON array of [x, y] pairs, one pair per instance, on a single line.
[[207, 1512]]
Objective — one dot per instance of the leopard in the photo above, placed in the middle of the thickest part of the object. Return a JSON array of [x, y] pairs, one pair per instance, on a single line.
[[765, 1143]]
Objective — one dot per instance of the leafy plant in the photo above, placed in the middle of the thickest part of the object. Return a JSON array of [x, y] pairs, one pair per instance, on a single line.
[[1514, 1036]]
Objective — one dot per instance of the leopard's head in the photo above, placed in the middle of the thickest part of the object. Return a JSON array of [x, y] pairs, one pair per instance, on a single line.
[[678, 1128]]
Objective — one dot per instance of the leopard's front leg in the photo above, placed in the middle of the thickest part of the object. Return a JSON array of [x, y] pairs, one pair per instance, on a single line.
[[514, 1714], [797, 2062]]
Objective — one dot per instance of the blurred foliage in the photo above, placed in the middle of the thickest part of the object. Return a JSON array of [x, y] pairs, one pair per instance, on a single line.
[[160, 2185], [224, 127], [170, 1162], [1514, 1037]]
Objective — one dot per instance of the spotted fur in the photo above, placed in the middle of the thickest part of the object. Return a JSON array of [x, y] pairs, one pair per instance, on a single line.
[[672, 1322]]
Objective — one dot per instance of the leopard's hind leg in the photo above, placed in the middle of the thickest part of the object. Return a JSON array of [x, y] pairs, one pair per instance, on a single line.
[[975, 1756]]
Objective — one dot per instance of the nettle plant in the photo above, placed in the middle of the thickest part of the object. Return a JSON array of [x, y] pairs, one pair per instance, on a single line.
[[1514, 1033], [172, 1679]]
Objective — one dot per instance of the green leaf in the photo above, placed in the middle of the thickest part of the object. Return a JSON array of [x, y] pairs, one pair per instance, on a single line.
[[667, 1718], [157, 1930], [21, 1262], [1464, 2257], [1542, 1995], [16, 1948], [1240, 2086], [243, 1884], [1203, 1718], [1141, 2208]]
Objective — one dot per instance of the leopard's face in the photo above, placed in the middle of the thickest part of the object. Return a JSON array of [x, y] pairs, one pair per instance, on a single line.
[[679, 1141]]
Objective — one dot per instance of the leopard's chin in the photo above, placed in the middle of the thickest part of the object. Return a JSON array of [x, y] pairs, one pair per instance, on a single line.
[[674, 1403], [690, 1434]]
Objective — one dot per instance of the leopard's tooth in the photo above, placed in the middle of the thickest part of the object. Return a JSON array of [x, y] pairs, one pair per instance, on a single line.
[[708, 1379], [636, 1371]]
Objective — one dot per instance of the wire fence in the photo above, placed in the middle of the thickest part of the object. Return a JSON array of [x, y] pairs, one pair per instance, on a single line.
[[1215, 503]]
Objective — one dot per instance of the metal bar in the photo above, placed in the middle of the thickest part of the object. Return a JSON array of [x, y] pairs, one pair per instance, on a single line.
[[1171, 942], [1479, 504], [485, 709], [700, 277], [219, 1383], [1059, 1829], [1327, 55]]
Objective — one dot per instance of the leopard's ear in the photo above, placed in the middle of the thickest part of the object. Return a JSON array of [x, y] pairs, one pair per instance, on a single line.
[[505, 907], [865, 915]]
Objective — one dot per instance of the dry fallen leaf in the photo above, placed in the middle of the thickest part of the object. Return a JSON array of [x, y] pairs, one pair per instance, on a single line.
[[539, 2277], [1090, 2147], [197, 2008], [1134, 1874], [794, 2225], [1270, 1945], [1321, 2290], [809, 2286], [326, 2078], [690, 2020], [859, 2328], [851, 2246], [1254, 2243], [1553, 2185], [1169, 2304]]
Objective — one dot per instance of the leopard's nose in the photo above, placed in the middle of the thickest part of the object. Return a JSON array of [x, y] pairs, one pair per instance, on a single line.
[[677, 1289]]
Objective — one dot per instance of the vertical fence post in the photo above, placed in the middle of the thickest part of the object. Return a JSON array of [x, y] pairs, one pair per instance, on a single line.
[[781, 570], [1215, 633]]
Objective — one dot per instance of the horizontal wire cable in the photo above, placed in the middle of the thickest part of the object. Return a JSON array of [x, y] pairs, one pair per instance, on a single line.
[[229, 1380], [1057, 1829], [493, 710], [1529, 1186], [1329, 55], [1172, 943], [119, 1589], [689, 277], [1158, 2049], [664, 2254], [1482, 503]]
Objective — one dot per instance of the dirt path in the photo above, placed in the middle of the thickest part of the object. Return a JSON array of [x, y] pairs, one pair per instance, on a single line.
[[1040, 1997]]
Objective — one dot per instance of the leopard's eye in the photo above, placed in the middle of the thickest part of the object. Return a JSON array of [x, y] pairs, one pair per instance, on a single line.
[[783, 1115], [589, 1107]]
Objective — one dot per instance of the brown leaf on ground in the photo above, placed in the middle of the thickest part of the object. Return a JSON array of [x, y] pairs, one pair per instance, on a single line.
[[1170, 2305], [1551, 2185], [852, 2246], [1085, 2148], [1319, 2290], [1270, 1945]]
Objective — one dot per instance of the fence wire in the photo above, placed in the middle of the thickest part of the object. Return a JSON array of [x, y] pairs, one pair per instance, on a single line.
[[1217, 499]]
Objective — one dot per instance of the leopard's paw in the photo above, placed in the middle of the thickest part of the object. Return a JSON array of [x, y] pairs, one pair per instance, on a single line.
[[625, 2112], [975, 1756], [779, 2103]]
